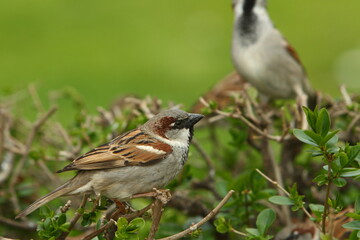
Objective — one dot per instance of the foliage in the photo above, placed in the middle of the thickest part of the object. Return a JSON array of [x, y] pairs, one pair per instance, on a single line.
[[51, 226], [225, 156]]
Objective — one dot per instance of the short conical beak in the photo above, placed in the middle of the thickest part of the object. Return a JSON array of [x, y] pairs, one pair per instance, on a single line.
[[193, 119]]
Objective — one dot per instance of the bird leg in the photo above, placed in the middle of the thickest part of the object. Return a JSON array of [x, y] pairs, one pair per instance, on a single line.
[[122, 206]]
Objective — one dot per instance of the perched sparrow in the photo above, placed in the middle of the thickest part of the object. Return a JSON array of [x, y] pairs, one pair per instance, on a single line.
[[136, 162], [263, 57]]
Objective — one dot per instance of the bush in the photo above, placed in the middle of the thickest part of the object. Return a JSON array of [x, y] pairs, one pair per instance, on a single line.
[[278, 172]]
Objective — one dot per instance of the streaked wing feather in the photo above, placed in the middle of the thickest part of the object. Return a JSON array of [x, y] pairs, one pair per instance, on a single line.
[[122, 151]]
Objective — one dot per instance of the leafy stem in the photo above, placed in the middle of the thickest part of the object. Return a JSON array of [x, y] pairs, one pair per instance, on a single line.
[[329, 157]]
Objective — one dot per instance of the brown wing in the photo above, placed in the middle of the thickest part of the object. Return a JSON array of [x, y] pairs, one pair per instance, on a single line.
[[132, 148], [292, 52]]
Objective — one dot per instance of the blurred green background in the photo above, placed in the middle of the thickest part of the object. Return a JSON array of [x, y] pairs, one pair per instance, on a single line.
[[172, 49]]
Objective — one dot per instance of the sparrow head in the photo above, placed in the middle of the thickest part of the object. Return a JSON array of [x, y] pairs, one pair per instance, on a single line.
[[173, 124], [247, 6], [251, 21]]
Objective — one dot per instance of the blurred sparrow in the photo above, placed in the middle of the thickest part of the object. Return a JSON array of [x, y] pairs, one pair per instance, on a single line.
[[136, 162], [264, 58]]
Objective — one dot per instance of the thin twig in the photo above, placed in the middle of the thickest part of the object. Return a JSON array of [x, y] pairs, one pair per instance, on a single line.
[[22, 161], [113, 222], [238, 232], [162, 198], [157, 211], [353, 122], [25, 225], [345, 95], [6, 166], [100, 230], [189, 206], [64, 134], [44, 168], [36, 99], [286, 192], [250, 125], [66, 207], [76, 218], [202, 221], [269, 155], [330, 159], [3, 120], [206, 157]]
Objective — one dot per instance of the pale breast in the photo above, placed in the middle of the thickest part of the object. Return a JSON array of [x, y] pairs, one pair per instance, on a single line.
[[121, 183]]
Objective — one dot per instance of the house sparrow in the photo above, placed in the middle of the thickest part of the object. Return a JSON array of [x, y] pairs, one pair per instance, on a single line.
[[147, 157], [264, 58]]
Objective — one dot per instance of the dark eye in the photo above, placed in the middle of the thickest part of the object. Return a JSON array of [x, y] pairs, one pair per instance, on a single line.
[[178, 124]]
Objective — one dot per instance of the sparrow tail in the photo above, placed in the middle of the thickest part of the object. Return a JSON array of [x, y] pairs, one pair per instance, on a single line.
[[63, 189]]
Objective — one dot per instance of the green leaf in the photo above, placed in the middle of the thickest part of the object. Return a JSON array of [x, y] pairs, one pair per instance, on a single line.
[[352, 225], [323, 122], [354, 152], [62, 219], [300, 134], [135, 225], [281, 200], [314, 136], [264, 220], [133, 237], [222, 226], [357, 204], [311, 118], [47, 223], [339, 182], [253, 231], [354, 216], [45, 212], [122, 223], [343, 159], [350, 172], [316, 208], [320, 179], [330, 137]]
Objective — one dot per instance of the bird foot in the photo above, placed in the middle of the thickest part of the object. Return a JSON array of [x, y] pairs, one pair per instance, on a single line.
[[163, 195]]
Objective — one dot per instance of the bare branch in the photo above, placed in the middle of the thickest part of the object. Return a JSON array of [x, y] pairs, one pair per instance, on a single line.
[[250, 125], [268, 156], [26, 225], [286, 192], [202, 221], [6, 166], [345, 95], [112, 222], [36, 99], [161, 200], [21, 163], [76, 218], [205, 156], [238, 232]]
